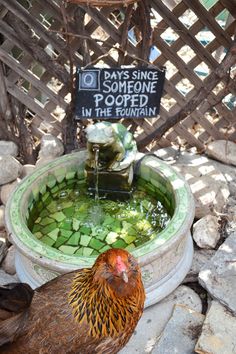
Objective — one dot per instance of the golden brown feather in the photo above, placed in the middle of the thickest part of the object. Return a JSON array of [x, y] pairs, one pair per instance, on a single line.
[[89, 311]]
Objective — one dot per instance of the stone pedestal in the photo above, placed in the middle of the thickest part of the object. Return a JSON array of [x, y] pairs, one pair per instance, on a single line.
[[114, 184]]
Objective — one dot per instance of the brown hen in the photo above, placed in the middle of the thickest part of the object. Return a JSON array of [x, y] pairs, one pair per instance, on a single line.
[[85, 312]]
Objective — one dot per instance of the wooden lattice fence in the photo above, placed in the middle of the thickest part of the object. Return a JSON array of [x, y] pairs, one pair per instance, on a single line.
[[42, 41]]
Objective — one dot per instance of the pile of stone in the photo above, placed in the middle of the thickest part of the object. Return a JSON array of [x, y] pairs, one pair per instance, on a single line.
[[200, 315], [11, 173]]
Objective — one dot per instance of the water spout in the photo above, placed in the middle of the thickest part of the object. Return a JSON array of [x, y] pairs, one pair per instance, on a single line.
[[96, 160], [96, 211]]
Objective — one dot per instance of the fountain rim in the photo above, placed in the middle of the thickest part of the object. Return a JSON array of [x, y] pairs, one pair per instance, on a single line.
[[48, 256]]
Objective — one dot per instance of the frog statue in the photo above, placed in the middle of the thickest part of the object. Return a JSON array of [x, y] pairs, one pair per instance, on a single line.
[[117, 148]]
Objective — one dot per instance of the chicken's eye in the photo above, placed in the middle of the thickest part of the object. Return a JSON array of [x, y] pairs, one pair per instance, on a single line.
[[131, 262], [109, 267]]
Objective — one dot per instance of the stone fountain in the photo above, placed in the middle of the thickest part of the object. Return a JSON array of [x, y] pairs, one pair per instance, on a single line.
[[113, 173], [58, 240]]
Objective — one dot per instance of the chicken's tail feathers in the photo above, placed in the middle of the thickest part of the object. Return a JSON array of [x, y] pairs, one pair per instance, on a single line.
[[15, 299]]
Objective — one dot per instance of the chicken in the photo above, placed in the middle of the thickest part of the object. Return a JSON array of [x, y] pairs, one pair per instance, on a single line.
[[88, 311]]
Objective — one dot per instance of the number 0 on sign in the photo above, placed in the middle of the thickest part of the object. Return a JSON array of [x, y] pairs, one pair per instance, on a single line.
[[119, 93]]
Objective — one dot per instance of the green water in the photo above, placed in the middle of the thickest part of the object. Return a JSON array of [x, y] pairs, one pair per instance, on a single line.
[[68, 219]]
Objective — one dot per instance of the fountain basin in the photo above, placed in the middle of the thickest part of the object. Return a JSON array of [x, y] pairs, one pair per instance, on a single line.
[[164, 261]]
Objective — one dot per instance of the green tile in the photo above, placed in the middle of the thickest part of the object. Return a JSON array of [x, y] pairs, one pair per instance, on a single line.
[[45, 196], [60, 171], [37, 221], [59, 216], [158, 185], [96, 244], [74, 239], [47, 240], [108, 220], [38, 234], [128, 239], [66, 204], [116, 226], [40, 205], [70, 175], [36, 228], [66, 233], [102, 235], [31, 198], [95, 253], [68, 212], [68, 249], [44, 213], [42, 188], [119, 244], [111, 237], [46, 221], [105, 248], [54, 189], [54, 234], [84, 240], [85, 230], [35, 192], [60, 241], [79, 251], [60, 178], [46, 229], [51, 181], [144, 172], [87, 251], [52, 207], [66, 224], [75, 224], [130, 247]]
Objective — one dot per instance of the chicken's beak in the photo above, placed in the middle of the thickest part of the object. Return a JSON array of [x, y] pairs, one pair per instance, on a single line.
[[124, 276]]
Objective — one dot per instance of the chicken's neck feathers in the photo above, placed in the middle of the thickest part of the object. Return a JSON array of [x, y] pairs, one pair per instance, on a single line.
[[95, 303]]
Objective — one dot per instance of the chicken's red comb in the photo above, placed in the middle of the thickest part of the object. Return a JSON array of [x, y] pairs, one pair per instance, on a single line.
[[120, 265]]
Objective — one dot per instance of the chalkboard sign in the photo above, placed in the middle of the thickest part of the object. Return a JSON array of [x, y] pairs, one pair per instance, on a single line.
[[118, 93]]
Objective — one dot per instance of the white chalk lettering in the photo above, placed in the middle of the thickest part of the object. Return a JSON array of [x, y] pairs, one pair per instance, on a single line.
[[144, 75], [135, 112], [103, 112], [116, 75], [121, 100], [129, 87], [86, 112], [98, 97]]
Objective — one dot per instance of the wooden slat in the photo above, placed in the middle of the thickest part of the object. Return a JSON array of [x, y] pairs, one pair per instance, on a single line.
[[8, 60], [100, 21]]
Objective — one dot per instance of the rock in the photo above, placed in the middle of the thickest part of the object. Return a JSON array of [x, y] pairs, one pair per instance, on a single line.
[[200, 258], [8, 148], [222, 150], [7, 278], [155, 318], [181, 332], [231, 215], [7, 189], [208, 186], [9, 262], [10, 169], [3, 234], [218, 332], [27, 170], [2, 216], [44, 161], [219, 274], [3, 250], [229, 173], [50, 146], [205, 232]]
